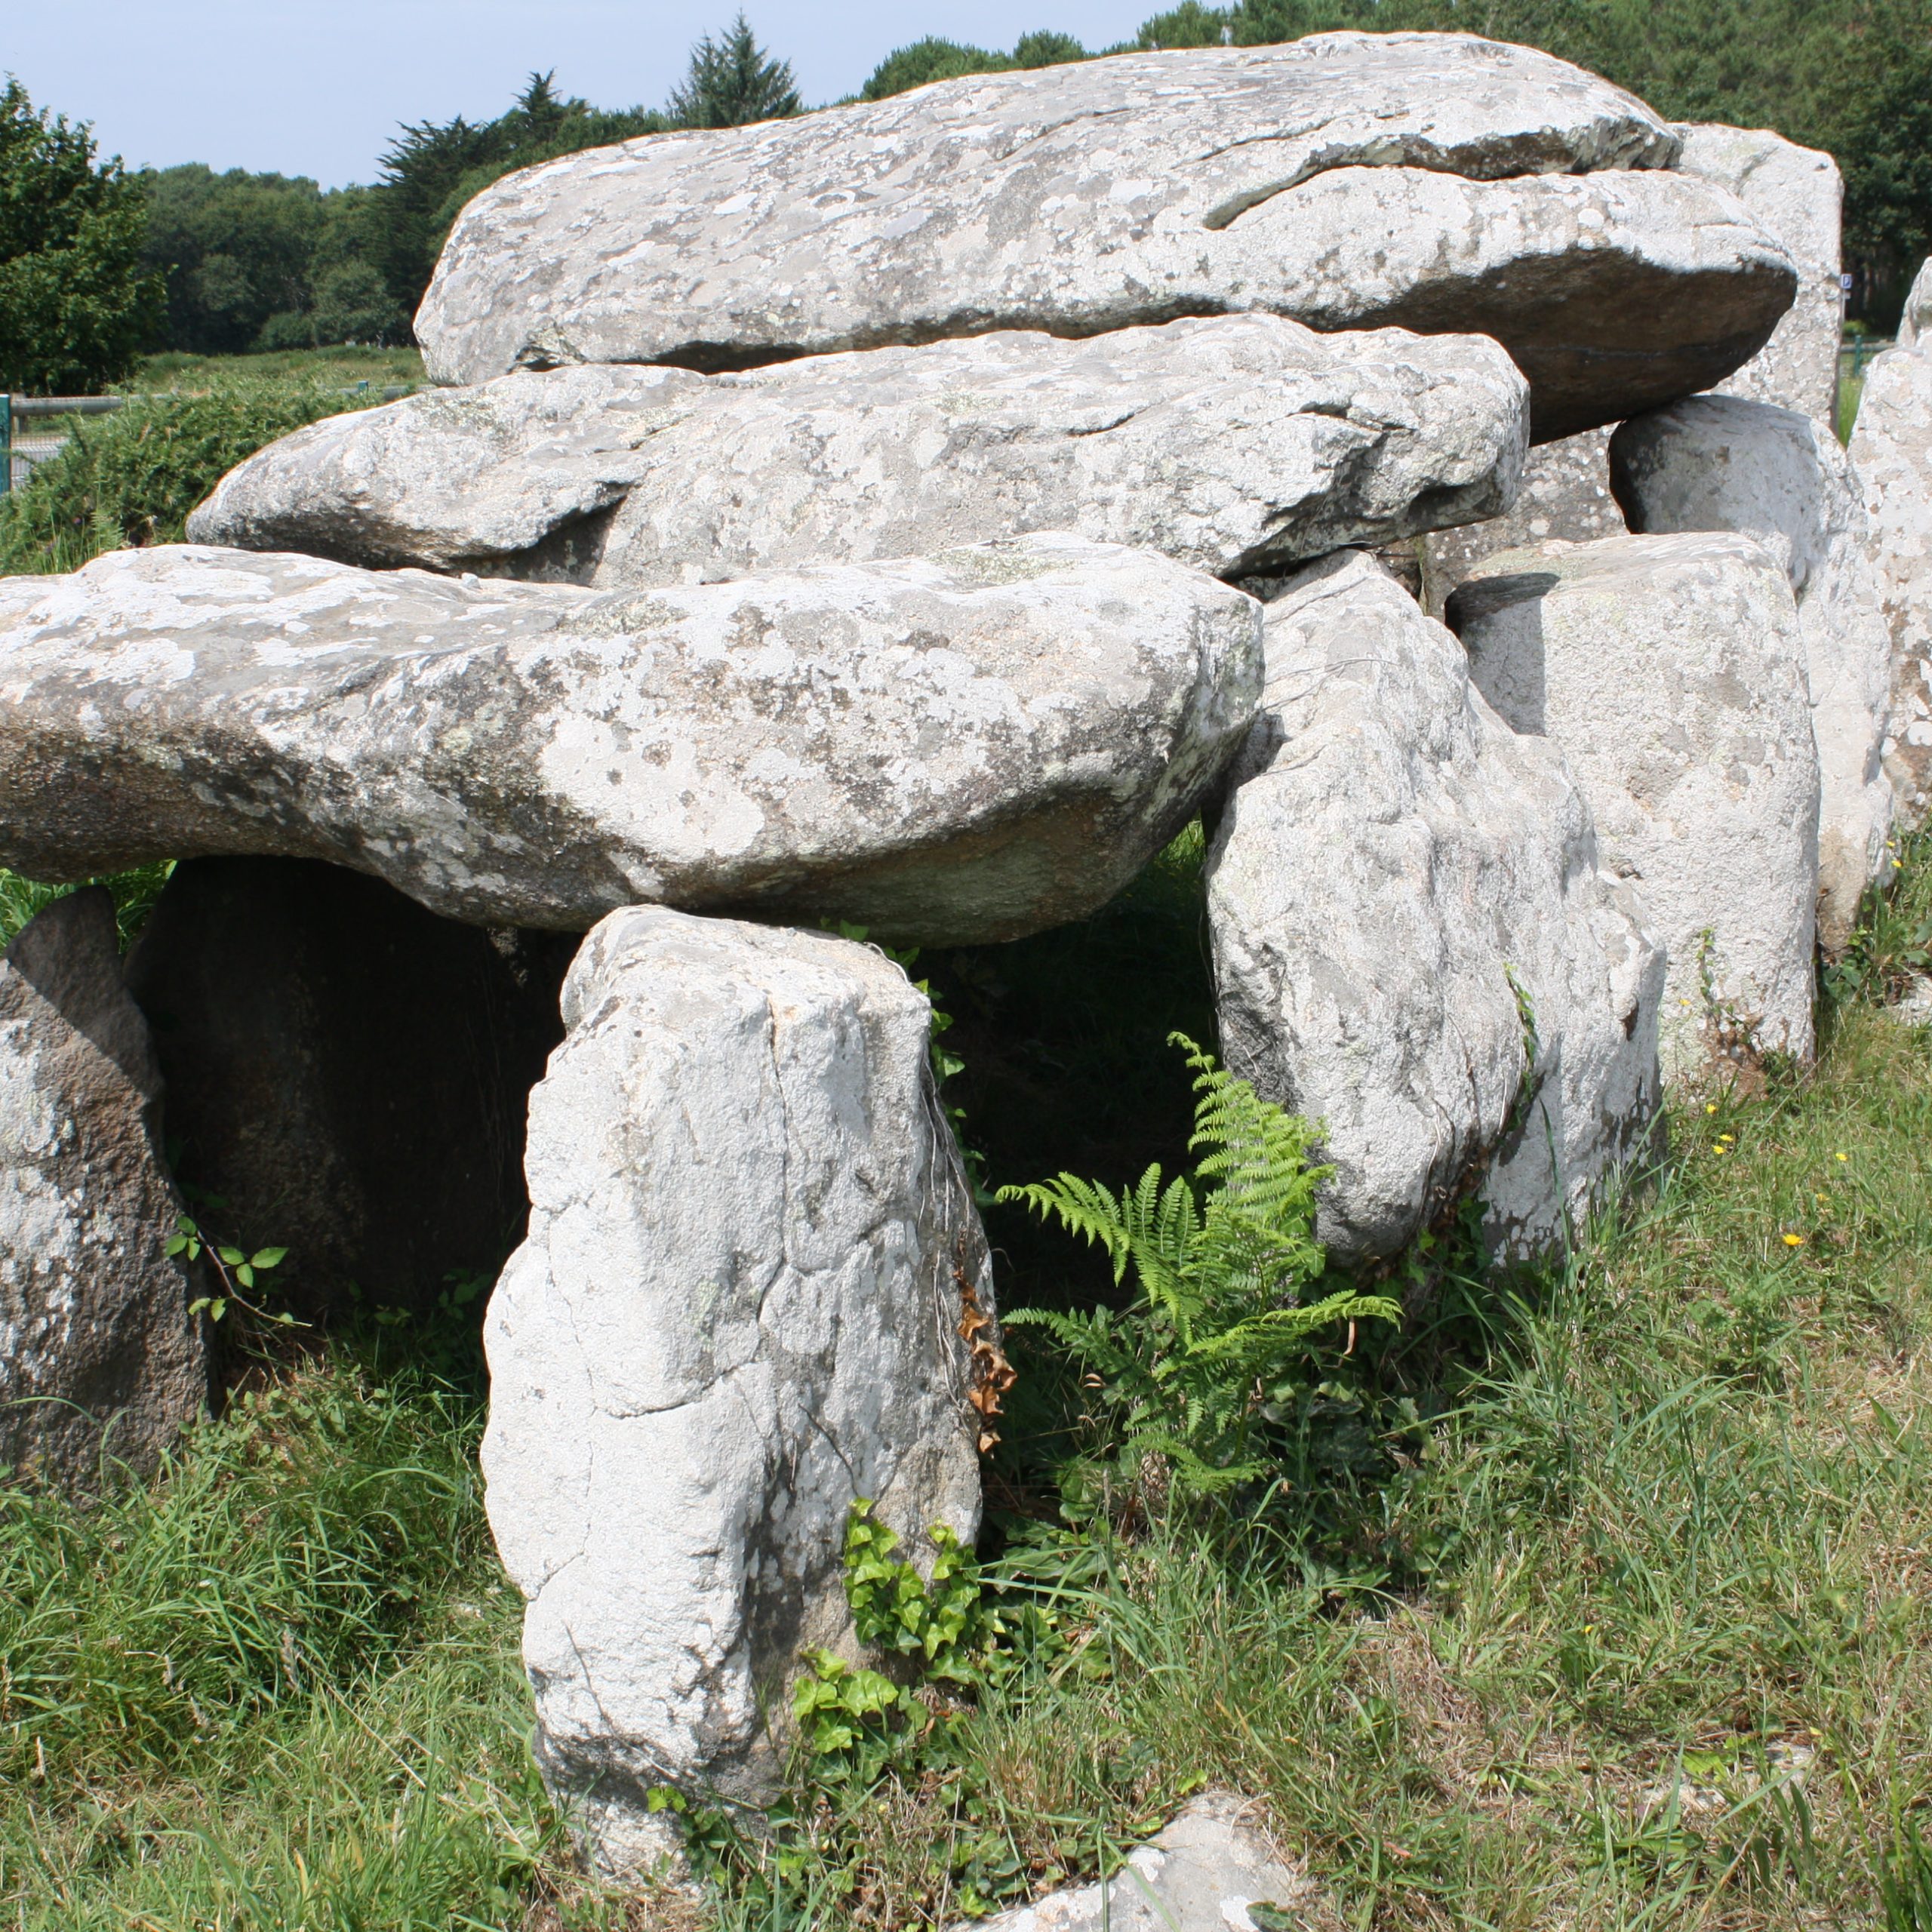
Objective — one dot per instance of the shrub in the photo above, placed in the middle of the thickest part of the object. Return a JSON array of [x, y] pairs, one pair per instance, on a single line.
[[133, 477]]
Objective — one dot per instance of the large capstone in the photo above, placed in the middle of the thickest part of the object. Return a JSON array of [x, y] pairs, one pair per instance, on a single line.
[[1240, 444], [1891, 452], [963, 748], [1719, 462], [347, 1073], [1669, 673], [755, 1291], [1413, 943], [101, 1363], [1430, 181]]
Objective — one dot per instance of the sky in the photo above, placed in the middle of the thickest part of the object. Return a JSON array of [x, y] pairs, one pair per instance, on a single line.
[[319, 88]]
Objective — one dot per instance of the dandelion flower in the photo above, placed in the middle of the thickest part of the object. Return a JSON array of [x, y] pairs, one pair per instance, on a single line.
[[1845, 1157], [1794, 1241]]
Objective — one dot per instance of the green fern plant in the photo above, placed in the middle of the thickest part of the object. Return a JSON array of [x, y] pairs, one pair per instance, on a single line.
[[1219, 1329]]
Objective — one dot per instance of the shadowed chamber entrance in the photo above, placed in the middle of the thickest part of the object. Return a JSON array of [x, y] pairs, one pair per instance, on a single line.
[[347, 1075]]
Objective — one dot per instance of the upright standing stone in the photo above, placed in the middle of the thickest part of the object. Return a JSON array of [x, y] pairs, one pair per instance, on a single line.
[[1413, 942], [753, 1258], [1669, 672], [100, 1361], [1720, 462], [1797, 195], [1891, 452]]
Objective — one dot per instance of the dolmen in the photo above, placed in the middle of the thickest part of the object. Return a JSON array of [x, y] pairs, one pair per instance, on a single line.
[[890, 527]]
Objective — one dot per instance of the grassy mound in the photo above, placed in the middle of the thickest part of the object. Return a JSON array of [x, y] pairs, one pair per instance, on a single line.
[[1616, 1615]]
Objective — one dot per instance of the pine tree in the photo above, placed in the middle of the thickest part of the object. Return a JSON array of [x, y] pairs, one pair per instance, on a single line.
[[732, 81]]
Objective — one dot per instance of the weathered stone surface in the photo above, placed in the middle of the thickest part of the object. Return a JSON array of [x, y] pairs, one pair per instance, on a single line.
[[1916, 319], [1891, 453], [1565, 495], [100, 1360], [751, 1250], [347, 1072], [1795, 195], [1238, 444], [1200, 1873], [1720, 462], [1434, 182], [964, 748], [1395, 869], [1669, 673]]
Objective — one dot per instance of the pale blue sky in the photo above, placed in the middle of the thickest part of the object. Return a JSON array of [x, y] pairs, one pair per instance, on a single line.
[[318, 88]]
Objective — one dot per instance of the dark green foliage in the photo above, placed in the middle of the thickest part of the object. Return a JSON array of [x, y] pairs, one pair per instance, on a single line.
[[1211, 1352], [236, 248], [77, 304], [732, 82], [133, 477], [933, 59]]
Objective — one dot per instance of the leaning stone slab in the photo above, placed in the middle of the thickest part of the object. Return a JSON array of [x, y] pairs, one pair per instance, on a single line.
[[1891, 452], [1413, 941], [960, 748], [1240, 443], [752, 1257], [1435, 181], [1719, 462], [1795, 195], [1210, 1869], [100, 1361], [1669, 673]]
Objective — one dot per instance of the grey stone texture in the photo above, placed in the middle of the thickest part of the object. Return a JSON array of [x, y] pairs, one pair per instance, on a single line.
[[1565, 494], [1668, 671], [961, 748], [1201, 1873], [1891, 453], [1436, 182], [100, 1362], [1795, 195], [1397, 876], [1721, 462], [1238, 444], [752, 1253], [348, 1072]]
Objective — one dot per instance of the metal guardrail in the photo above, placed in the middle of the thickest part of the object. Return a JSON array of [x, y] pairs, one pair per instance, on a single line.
[[25, 451], [1855, 352]]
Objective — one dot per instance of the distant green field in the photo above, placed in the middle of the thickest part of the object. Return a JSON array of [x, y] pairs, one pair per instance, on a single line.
[[178, 370]]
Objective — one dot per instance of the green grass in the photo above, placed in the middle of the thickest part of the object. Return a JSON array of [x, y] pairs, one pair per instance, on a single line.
[[134, 895], [1635, 1633]]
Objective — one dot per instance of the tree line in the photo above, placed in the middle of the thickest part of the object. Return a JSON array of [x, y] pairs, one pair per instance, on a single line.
[[98, 264]]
